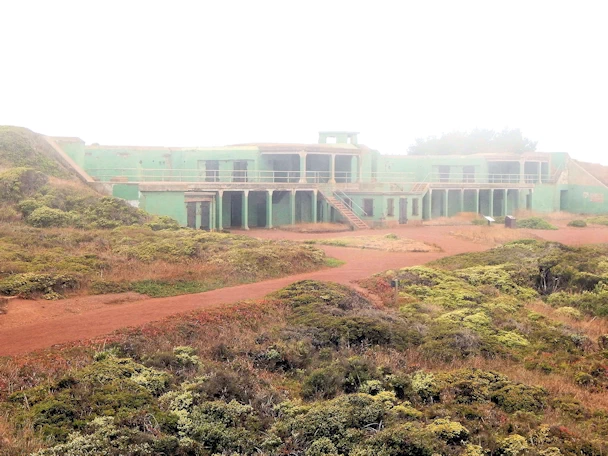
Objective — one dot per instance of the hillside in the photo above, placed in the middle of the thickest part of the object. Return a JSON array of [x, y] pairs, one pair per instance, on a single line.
[[59, 238], [495, 353]]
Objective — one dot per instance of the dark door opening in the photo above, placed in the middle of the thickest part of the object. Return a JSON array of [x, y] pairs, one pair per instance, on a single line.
[[236, 208], [212, 171], [205, 215], [529, 201], [191, 215], [402, 211], [239, 173]]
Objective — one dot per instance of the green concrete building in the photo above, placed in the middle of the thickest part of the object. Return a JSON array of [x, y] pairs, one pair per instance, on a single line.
[[334, 180]]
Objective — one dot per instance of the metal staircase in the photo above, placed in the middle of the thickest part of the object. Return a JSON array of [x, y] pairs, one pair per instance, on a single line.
[[420, 187], [338, 203]]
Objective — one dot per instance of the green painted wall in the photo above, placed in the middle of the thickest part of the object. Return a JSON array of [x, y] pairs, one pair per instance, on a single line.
[[165, 203]]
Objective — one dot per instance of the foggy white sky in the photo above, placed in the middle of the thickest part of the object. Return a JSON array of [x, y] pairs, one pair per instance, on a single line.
[[222, 72]]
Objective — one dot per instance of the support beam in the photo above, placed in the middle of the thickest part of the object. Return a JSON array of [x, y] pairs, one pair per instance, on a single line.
[[245, 210], [504, 203], [477, 201], [491, 214], [220, 210], [359, 168], [430, 204], [332, 169], [269, 208], [540, 174], [302, 168], [292, 206], [446, 203], [314, 206]]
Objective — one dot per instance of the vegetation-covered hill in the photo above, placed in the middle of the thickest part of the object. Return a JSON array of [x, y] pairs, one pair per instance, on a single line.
[[494, 353], [59, 237]]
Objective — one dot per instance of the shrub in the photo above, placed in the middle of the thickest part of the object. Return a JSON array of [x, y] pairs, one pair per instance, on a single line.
[[44, 217], [535, 223], [577, 223], [17, 183], [449, 431], [29, 284]]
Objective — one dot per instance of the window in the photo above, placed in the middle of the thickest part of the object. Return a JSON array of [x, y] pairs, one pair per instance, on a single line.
[[415, 206], [390, 207], [444, 173], [368, 206]]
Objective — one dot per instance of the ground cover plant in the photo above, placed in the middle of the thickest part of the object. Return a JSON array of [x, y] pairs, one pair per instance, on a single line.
[[535, 223], [468, 360]]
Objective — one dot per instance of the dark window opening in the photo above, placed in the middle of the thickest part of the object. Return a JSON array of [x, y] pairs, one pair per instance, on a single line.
[[444, 173]]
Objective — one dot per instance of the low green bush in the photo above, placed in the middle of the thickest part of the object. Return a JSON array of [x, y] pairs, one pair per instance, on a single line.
[[535, 223], [45, 217], [577, 223]]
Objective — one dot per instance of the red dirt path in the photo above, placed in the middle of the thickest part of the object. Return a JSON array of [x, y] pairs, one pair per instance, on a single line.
[[88, 317]]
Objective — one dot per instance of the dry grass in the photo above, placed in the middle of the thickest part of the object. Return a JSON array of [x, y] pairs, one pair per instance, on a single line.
[[462, 218], [492, 235], [387, 243], [591, 327], [316, 228]]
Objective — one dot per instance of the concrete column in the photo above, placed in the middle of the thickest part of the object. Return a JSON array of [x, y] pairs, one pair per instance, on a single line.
[[430, 204], [462, 200], [220, 210], [446, 203], [292, 206], [359, 168], [504, 203], [332, 169], [477, 201], [491, 214], [522, 172], [314, 206], [245, 210], [302, 168], [540, 172], [269, 208]]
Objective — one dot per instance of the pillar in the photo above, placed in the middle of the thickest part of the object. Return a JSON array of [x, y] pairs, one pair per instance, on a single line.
[[540, 172], [245, 210], [430, 204], [359, 168], [462, 200], [220, 210], [491, 214], [302, 168], [332, 169], [477, 201], [522, 172], [269, 208], [446, 203], [292, 206], [504, 203], [314, 206]]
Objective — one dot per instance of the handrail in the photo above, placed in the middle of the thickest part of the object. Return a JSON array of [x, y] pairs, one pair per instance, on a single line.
[[338, 193]]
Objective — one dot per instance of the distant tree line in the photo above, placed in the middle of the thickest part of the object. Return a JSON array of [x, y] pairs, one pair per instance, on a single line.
[[473, 142]]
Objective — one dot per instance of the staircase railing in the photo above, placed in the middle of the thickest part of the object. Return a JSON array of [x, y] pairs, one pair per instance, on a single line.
[[341, 196]]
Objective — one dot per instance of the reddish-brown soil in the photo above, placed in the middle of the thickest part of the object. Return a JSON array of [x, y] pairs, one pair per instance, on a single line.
[[32, 325]]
